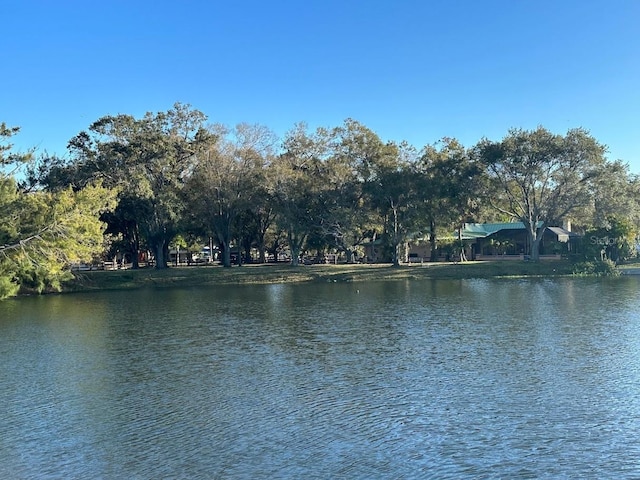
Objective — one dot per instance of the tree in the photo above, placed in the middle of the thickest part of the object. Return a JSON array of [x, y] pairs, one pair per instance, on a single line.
[[295, 186], [543, 177], [394, 189], [123, 230], [150, 159], [227, 180], [452, 187], [41, 233], [615, 193], [261, 217], [349, 218], [614, 241], [10, 161]]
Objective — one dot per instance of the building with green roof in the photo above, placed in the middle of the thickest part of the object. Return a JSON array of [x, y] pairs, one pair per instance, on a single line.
[[511, 240]]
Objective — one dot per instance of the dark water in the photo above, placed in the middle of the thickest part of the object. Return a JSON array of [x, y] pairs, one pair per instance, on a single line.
[[439, 379]]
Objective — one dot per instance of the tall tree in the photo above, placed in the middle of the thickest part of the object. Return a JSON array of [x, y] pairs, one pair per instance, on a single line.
[[349, 218], [42, 233], [228, 180], [296, 188], [453, 184], [10, 161], [394, 189], [150, 159], [544, 177], [615, 192], [262, 216]]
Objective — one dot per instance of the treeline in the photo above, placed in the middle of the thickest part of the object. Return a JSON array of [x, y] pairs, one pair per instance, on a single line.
[[146, 184]]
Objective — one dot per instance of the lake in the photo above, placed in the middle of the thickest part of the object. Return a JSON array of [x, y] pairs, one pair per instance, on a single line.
[[437, 379]]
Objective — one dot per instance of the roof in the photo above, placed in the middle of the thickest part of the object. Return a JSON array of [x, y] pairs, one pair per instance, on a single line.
[[482, 230], [562, 234]]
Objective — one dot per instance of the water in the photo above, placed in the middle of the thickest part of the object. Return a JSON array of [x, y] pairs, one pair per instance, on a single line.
[[435, 379]]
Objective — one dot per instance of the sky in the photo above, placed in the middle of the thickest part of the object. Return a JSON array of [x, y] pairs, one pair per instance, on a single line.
[[413, 70]]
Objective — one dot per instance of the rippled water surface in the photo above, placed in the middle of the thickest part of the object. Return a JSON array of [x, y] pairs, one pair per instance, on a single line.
[[437, 379]]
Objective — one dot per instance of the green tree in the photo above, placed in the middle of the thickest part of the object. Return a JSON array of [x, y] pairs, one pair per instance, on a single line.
[[46, 232], [614, 241], [42, 233], [452, 187], [349, 218], [150, 159], [542, 177], [296, 189], [227, 181], [261, 217], [394, 190], [10, 161], [615, 194]]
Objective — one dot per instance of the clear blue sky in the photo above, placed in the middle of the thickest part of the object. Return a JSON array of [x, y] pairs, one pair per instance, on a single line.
[[408, 69]]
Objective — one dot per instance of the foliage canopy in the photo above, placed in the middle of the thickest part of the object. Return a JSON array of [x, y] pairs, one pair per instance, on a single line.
[[132, 185]]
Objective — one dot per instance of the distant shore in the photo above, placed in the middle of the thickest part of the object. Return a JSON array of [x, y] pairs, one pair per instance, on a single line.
[[283, 273]]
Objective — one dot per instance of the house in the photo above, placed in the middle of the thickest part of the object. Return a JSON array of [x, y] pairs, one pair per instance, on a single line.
[[511, 241], [373, 250]]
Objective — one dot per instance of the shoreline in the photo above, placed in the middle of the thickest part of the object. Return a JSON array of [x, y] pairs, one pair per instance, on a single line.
[[187, 276]]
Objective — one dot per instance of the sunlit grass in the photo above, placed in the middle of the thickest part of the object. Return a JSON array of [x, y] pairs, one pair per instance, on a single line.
[[280, 273]]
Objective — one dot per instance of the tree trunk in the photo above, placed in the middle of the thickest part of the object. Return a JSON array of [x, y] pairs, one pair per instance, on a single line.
[[222, 231], [226, 254], [135, 251], [295, 257], [262, 253], [463, 255], [134, 245], [535, 236], [295, 247], [396, 254], [349, 254], [396, 240], [535, 248], [433, 242], [160, 252]]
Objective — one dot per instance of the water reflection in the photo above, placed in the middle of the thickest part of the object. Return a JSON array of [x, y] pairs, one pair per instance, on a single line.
[[435, 379]]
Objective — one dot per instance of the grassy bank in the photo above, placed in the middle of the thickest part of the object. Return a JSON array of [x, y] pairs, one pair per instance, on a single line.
[[264, 274]]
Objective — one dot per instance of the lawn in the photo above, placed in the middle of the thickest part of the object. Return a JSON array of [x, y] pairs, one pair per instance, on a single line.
[[281, 273]]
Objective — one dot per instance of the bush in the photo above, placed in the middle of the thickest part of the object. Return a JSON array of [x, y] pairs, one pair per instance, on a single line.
[[8, 287], [597, 268]]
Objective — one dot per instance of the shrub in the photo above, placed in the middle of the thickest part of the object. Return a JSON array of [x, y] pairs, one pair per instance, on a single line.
[[597, 268]]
